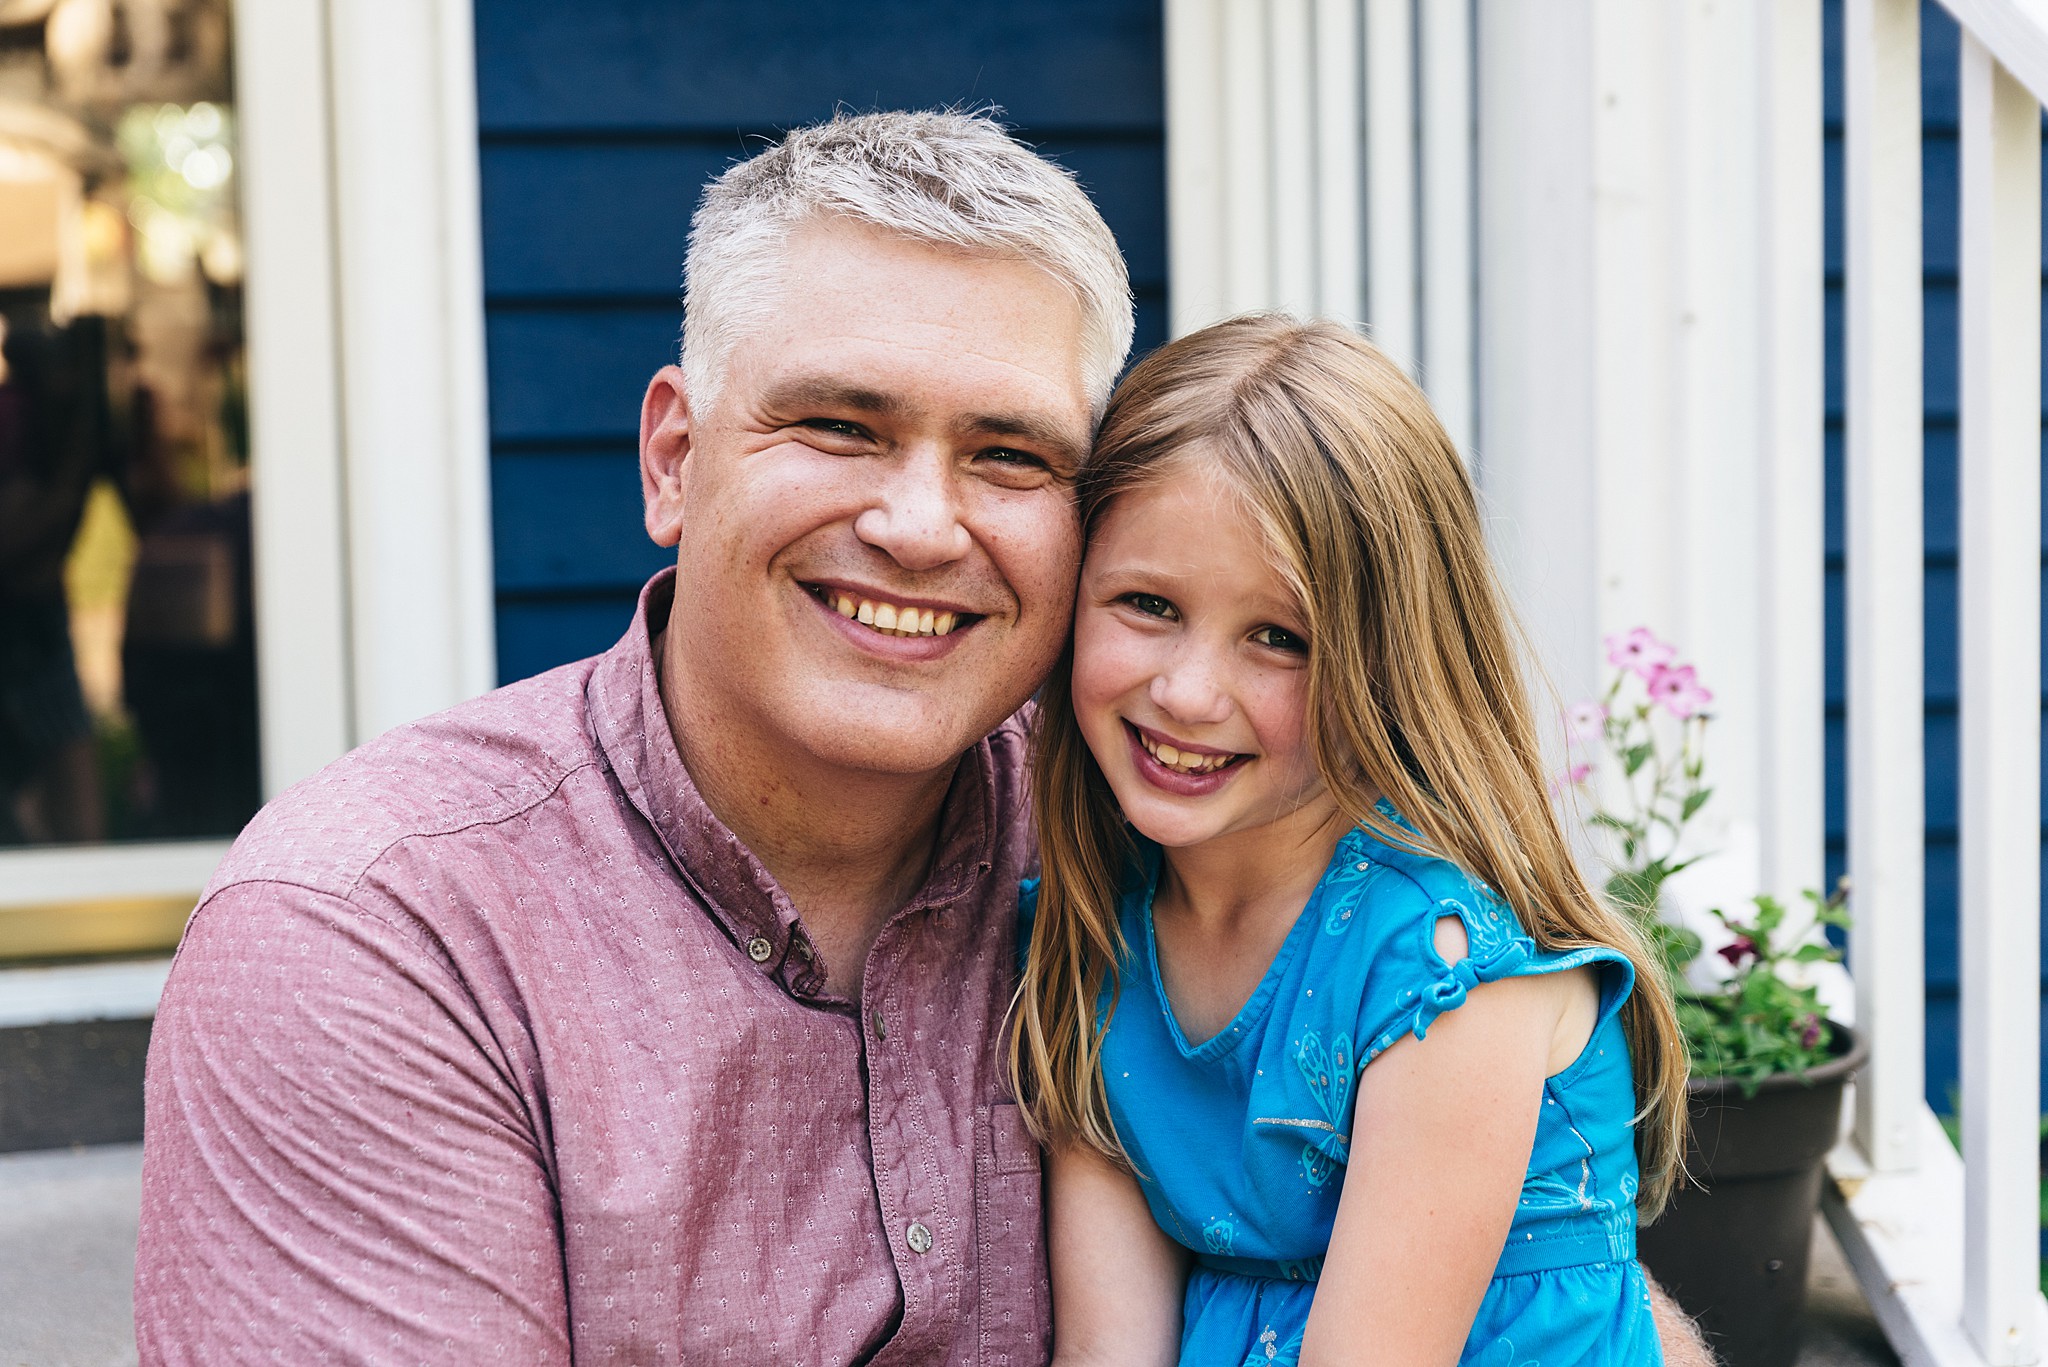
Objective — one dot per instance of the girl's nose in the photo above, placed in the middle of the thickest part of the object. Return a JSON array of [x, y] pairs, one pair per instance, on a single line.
[[1188, 690]]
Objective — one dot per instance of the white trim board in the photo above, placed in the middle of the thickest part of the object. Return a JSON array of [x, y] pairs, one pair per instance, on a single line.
[[128, 990], [72, 874]]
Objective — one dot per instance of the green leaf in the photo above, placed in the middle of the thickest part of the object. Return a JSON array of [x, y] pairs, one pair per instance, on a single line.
[[1693, 801], [1635, 757], [1635, 890], [1814, 954]]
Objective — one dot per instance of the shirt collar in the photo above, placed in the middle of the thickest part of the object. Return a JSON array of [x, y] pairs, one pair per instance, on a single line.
[[630, 726]]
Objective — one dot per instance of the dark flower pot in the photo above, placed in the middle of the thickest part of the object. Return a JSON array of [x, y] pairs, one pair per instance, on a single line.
[[1731, 1248]]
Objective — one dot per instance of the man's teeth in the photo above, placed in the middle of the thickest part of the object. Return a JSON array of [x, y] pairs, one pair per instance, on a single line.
[[1180, 763], [897, 621]]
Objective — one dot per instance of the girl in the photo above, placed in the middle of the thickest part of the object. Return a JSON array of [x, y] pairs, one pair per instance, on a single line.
[[1338, 1057]]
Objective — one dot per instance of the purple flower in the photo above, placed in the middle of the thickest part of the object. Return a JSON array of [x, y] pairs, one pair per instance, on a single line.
[[1639, 650], [1810, 1036], [1585, 721], [1738, 951], [1677, 690]]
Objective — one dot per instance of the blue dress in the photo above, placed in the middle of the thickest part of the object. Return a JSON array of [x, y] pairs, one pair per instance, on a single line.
[[1241, 1141]]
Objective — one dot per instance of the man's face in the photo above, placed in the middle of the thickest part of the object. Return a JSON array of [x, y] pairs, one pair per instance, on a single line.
[[895, 443]]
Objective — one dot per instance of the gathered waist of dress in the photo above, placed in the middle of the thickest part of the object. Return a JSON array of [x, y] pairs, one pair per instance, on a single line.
[[1526, 1252]]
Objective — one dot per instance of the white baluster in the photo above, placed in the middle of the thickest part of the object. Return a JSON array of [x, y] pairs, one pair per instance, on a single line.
[[2001, 705]]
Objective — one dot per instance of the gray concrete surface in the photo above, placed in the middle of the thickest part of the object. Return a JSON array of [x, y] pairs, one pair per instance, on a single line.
[[67, 1256], [67, 1265], [1840, 1330]]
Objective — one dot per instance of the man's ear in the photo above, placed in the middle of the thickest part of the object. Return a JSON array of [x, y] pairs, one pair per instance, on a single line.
[[664, 446]]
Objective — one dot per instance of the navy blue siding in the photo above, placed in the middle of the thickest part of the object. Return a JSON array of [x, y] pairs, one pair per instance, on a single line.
[[1940, 45], [599, 124]]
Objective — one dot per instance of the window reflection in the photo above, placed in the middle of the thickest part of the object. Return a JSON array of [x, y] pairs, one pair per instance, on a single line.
[[127, 650]]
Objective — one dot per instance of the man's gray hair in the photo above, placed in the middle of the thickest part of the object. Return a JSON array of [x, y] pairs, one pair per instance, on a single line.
[[948, 179]]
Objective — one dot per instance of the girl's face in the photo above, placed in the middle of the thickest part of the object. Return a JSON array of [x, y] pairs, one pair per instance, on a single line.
[[1191, 666]]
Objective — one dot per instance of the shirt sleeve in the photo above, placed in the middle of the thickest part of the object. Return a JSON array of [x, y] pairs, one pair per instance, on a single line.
[[1407, 983], [336, 1167]]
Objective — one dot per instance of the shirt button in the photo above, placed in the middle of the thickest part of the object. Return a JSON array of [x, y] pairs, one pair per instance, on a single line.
[[920, 1237], [759, 949], [881, 1026]]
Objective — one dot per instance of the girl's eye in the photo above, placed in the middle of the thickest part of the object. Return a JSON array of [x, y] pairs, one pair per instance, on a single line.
[[1150, 604], [1279, 638]]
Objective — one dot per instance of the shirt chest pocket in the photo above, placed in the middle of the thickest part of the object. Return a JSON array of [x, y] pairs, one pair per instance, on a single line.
[[1013, 1300]]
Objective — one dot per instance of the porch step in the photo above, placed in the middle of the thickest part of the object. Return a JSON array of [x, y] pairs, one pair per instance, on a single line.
[[67, 1256], [71, 1082]]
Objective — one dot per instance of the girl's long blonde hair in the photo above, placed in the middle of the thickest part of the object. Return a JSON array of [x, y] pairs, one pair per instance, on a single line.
[[1413, 674]]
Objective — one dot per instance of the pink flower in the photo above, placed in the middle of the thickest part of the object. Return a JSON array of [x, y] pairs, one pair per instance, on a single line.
[[1639, 650], [1584, 721], [1677, 690], [1571, 778], [1738, 951]]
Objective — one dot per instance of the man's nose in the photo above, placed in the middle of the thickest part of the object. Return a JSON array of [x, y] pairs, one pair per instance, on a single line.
[[916, 515], [1188, 689]]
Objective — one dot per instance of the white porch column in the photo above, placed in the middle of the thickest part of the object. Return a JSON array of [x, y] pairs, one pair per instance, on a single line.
[[410, 288], [1650, 351], [1293, 178]]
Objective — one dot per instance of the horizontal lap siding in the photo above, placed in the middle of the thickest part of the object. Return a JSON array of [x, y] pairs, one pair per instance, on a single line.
[[600, 123], [1940, 183]]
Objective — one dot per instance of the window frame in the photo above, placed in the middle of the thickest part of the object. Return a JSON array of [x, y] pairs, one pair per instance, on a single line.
[[369, 446]]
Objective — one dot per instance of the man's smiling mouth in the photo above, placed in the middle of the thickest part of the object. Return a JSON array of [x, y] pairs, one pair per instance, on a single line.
[[891, 619]]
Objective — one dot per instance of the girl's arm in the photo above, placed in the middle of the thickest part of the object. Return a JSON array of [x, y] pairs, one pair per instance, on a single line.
[[1117, 1279], [1441, 1139]]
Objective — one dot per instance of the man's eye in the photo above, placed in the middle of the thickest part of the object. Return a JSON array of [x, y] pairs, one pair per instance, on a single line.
[[1150, 604], [837, 428], [1010, 468], [1279, 638]]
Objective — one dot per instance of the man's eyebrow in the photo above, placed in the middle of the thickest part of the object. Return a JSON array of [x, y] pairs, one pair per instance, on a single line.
[[819, 392], [1050, 437]]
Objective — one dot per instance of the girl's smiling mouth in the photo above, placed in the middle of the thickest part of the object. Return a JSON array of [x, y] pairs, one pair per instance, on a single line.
[[1179, 767]]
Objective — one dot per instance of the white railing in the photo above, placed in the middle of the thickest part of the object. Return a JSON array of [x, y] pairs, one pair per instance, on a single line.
[[1647, 251], [1946, 1247]]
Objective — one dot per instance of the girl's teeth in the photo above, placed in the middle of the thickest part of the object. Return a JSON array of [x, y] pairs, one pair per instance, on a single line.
[[1186, 763]]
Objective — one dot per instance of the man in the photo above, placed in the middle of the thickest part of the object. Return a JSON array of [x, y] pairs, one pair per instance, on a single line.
[[650, 1010]]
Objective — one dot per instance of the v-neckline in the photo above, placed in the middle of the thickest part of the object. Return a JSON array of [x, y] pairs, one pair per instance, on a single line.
[[1239, 1027]]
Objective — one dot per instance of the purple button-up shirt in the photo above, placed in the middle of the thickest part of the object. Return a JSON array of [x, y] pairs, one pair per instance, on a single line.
[[490, 1043]]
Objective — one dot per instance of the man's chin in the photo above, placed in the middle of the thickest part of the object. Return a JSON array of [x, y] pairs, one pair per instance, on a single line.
[[901, 740]]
